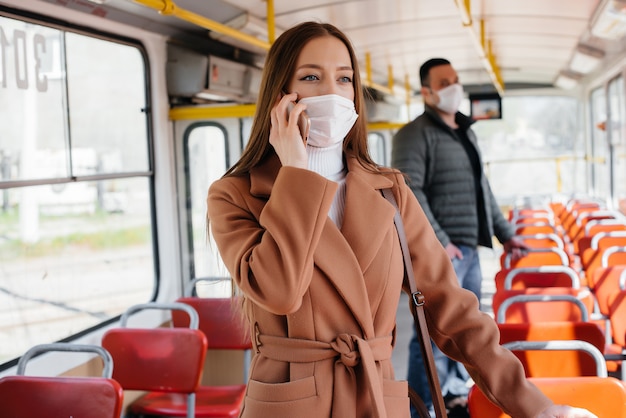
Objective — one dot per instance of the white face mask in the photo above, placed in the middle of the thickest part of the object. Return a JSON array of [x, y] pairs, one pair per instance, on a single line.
[[332, 116], [450, 98]]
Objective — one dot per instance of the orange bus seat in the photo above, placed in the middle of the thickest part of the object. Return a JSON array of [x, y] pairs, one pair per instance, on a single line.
[[556, 363], [517, 213], [544, 276], [557, 207], [532, 219], [24, 396], [536, 257], [617, 317], [606, 282], [588, 219], [535, 228], [603, 396], [158, 360], [542, 304], [594, 227], [540, 241], [591, 257], [611, 256], [559, 358], [543, 240], [569, 223], [556, 330], [617, 320]]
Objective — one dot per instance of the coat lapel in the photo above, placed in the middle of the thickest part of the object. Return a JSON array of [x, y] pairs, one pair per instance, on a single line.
[[344, 255], [367, 216]]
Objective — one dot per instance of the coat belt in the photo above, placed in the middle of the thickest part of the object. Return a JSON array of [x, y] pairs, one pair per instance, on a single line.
[[349, 351]]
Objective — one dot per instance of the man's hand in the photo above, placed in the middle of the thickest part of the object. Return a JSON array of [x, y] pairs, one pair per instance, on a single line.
[[454, 252], [516, 247]]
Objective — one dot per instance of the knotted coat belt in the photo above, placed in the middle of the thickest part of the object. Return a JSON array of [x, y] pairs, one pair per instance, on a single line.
[[350, 350]]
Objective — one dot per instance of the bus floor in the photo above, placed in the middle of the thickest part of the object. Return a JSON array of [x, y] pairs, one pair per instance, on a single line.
[[489, 264]]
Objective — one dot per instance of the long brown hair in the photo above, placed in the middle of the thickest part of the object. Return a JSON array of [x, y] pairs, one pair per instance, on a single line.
[[279, 66]]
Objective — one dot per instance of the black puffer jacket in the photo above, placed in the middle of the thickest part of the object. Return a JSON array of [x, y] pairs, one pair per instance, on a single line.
[[440, 174]]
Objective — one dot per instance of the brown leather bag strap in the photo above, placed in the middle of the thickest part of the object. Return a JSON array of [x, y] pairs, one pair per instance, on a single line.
[[418, 404], [417, 309]]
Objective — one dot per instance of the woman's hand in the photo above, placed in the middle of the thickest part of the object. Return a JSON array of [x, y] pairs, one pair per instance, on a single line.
[[285, 135], [563, 411]]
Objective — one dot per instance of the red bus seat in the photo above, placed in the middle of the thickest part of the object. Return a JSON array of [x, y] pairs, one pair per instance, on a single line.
[[221, 323], [158, 360], [61, 396]]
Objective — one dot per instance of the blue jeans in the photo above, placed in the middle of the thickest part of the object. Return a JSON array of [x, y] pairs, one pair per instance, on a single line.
[[452, 375]]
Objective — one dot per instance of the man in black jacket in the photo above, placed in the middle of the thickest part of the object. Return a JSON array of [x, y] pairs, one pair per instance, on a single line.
[[439, 153]]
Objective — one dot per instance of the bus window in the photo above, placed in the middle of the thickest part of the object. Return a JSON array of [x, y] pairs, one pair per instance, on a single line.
[[206, 159], [599, 173], [617, 139], [76, 232], [111, 118], [534, 151]]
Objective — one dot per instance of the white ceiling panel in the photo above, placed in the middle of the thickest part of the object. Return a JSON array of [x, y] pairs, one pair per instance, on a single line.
[[532, 40]]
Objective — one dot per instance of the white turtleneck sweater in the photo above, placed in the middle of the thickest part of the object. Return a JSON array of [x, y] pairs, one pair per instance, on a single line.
[[328, 162]]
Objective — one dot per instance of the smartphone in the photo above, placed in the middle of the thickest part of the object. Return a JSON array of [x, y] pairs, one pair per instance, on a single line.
[[304, 123]]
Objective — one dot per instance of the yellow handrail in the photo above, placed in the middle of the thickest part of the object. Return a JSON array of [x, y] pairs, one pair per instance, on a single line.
[[483, 46], [245, 111], [212, 112], [168, 7]]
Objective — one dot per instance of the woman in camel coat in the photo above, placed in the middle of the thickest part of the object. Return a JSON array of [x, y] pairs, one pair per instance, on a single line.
[[309, 239]]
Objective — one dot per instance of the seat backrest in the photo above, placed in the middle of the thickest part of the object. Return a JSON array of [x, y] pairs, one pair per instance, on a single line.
[[596, 226], [24, 396], [617, 316], [605, 397], [606, 282], [161, 359], [532, 219], [580, 226], [614, 256], [550, 359], [574, 212], [542, 240], [591, 256], [593, 228], [559, 358], [542, 304], [220, 320], [556, 330], [536, 257], [85, 397], [535, 228], [543, 276], [158, 359]]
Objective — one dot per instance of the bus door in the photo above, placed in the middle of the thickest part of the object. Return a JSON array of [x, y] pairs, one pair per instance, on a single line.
[[206, 146]]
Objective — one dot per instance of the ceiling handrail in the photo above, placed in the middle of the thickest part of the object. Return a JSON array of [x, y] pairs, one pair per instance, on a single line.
[[169, 8], [483, 46]]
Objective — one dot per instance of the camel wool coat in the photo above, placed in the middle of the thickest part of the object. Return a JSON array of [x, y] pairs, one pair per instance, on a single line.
[[322, 302]]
